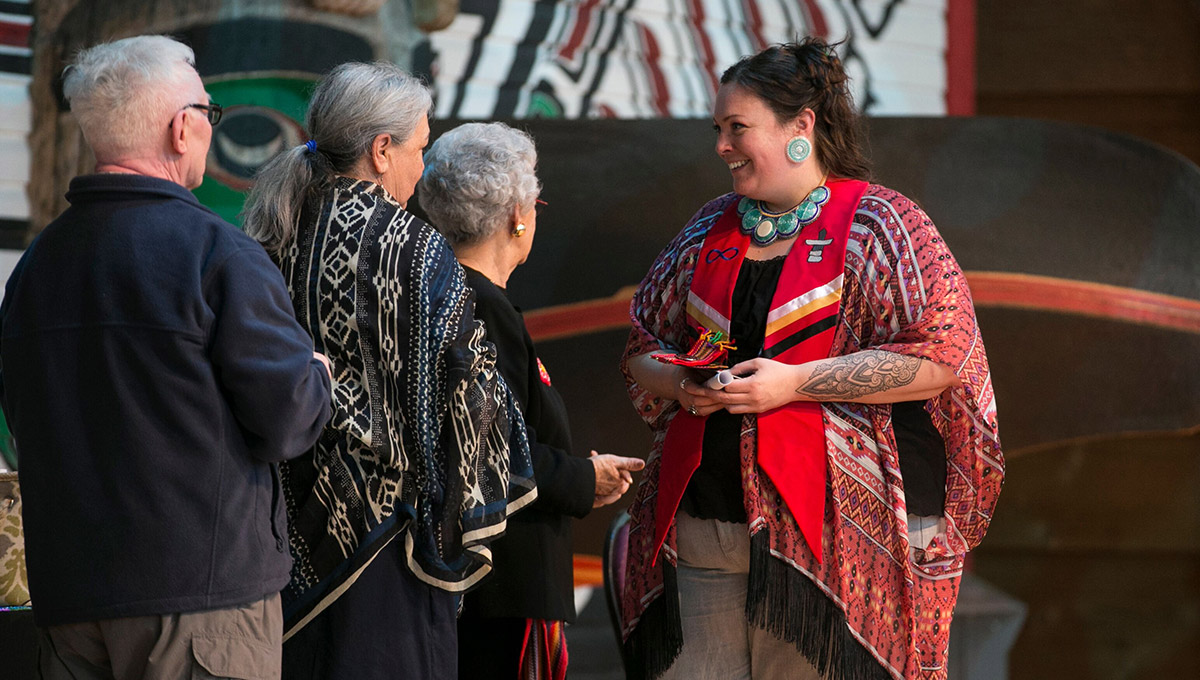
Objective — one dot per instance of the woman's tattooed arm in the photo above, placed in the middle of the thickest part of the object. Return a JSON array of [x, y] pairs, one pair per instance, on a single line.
[[849, 377]]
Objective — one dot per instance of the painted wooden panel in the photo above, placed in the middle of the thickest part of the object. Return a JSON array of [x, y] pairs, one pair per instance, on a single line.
[[15, 111], [15, 152], [16, 22], [14, 204], [662, 58], [8, 260]]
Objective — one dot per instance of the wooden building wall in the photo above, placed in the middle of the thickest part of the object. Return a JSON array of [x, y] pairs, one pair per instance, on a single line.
[[1127, 65], [1099, 538]]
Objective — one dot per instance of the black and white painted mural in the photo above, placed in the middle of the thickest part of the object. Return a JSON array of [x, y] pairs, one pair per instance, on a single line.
[[662, 58]]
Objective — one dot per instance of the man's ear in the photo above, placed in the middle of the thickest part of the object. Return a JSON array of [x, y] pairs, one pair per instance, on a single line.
[[178, 132]]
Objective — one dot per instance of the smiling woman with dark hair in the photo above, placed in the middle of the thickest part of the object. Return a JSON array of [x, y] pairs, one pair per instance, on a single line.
[[826, 495]]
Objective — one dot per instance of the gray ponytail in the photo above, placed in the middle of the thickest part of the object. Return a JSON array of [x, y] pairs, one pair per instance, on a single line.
[[273, 206], [354, 104]]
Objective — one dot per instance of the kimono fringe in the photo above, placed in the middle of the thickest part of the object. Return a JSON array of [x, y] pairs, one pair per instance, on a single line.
[[786, 603], [658, 638]]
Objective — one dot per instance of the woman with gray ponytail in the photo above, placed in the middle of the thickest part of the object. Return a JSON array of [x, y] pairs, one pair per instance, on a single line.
[[426, 455]]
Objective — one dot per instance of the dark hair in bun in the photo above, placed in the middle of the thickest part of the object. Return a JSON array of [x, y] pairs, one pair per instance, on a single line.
[[808, 74]]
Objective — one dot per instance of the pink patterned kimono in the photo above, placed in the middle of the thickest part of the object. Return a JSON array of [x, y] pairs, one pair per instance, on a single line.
[[870, 607]]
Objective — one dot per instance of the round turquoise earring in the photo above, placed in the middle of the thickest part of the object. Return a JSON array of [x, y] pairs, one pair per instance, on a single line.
[[798, 149]]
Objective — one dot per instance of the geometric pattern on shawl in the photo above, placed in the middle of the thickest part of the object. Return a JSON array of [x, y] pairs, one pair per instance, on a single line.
[[426, 441], [882, 609]]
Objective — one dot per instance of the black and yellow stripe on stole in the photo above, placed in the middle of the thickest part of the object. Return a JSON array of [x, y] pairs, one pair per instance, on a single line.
[[801, 318]]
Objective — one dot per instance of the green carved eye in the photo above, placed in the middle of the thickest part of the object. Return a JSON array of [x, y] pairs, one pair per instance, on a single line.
[[260, 121]]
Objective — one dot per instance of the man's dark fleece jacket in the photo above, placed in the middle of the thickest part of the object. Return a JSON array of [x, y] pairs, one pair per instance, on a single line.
[[153, 376]]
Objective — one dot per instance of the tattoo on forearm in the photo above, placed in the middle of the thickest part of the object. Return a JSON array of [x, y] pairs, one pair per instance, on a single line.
[[860, 373]]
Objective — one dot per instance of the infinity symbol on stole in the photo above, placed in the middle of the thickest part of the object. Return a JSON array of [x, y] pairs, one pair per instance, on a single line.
[[727, 254]]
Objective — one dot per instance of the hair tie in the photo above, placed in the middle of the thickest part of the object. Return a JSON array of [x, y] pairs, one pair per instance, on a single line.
[[311, 145]]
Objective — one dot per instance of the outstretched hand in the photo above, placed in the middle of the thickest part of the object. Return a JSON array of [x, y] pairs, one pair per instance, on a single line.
[[614, 476]]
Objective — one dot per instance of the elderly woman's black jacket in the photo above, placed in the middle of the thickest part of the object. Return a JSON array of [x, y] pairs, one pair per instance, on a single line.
[[532, 575]]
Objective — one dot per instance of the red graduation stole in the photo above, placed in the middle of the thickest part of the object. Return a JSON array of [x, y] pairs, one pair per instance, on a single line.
[[800, 328]]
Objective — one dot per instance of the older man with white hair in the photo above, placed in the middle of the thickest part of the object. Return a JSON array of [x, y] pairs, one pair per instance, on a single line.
[[153, 376]]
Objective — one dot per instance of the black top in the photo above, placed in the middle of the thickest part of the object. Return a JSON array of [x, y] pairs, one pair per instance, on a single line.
[[922, 458], [153, 374], [533, 572], [715, 489]]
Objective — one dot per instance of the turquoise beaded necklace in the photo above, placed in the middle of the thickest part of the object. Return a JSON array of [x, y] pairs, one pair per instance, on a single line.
[[764, 227]]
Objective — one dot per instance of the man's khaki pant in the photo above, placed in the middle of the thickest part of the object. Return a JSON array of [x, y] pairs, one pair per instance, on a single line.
[[239, 642]]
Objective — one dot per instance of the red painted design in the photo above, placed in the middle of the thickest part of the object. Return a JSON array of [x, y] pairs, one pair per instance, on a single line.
[[605, 111], [707, 56], [589, 570], [1027, 291], [583, 21], [989, 289], [816, 19], [754, 24], [14, 34], [960, 57], [579, 318], [658, 82]]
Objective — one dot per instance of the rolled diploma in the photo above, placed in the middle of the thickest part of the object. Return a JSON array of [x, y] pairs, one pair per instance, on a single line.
[[720, 380]]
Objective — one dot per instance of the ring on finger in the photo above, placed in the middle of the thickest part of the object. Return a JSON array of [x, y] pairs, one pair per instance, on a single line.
[[692, 410]]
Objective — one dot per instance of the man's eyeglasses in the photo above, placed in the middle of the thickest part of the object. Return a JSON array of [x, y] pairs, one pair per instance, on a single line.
[[213, 110]]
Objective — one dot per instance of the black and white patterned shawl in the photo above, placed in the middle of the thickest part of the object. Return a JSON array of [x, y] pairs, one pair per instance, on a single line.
[[426, 440]]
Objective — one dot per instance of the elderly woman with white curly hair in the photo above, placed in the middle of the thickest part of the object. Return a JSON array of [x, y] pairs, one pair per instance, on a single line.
[[480, 189], [425, 455]]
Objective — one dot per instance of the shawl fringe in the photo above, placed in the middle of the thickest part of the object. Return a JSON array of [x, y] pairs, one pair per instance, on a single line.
[[658, 638], [786, 603]]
